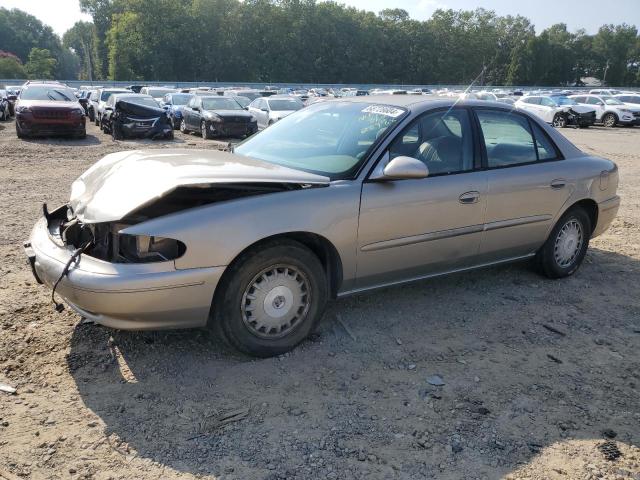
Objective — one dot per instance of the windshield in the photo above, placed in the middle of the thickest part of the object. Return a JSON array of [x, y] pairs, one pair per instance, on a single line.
[[563, 100], [60, 94], [612, 101], [158, 92], [220, 104], [243, 101], [285, 105], [329, 138], [145, 101], [104, 96], [248, 94], [178, 99]]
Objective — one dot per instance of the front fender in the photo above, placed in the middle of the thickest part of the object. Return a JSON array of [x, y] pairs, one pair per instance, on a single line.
[[215, 234]]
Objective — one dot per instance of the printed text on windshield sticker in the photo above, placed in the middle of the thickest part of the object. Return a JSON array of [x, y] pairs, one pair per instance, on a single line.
[[383, 110]]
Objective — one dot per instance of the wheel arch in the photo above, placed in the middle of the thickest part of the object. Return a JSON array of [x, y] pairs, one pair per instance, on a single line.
[[590, 207], [319, 245]]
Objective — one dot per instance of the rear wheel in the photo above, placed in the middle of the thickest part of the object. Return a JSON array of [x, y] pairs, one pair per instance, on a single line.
[[610, 120], [92, 115], [564, 250], [271, 298]]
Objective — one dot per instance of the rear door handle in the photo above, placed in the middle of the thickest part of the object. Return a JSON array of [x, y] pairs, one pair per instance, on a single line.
[[469, 197], [558, 183]]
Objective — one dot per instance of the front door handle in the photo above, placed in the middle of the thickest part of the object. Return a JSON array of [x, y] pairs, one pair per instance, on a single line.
[[469, 197], [558, 183]]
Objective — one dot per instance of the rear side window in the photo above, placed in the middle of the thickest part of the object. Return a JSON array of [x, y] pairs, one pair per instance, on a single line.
[[507, 138], [546, 149]]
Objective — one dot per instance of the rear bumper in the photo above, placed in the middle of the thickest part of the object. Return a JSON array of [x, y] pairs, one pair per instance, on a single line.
[[125, 296], [607, 211]]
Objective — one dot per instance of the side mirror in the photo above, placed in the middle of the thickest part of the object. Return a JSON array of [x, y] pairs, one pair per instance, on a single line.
[[402, 168], [264, 109], [195, 108], [600, 104]]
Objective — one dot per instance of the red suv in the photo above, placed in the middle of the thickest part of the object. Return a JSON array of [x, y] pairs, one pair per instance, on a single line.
[[49, 109]]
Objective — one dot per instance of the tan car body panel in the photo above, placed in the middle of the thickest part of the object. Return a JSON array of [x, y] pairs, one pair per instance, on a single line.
[[384, 232]]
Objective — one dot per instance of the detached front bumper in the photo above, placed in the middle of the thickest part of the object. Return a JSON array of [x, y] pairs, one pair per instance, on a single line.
[[128, 296]]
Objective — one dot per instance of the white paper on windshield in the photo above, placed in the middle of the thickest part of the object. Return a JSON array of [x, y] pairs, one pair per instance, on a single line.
[[384, 110]]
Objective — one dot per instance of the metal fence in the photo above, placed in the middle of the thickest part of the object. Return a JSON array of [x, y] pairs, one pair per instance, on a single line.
[[261, 85]]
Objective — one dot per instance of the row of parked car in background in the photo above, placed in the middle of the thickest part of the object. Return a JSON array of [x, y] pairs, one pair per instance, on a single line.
[[143, 111]]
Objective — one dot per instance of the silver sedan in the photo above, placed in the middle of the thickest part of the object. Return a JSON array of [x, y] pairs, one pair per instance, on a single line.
[[340, 197]]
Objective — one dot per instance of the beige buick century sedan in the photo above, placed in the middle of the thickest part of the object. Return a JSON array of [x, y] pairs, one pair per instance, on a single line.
[[340, 197]]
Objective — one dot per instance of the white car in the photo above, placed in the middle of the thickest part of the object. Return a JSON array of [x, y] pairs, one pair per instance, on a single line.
[[269, 110], [101, 99], [558, 110], [157, 92], [632, 99], [609, 110], [605, 91]]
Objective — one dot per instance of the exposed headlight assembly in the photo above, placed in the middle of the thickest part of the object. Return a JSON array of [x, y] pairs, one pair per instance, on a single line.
[[22, 109], [143, 248]]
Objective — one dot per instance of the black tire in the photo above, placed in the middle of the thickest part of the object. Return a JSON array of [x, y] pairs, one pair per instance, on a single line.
[[204, 131], [547, 258], [229, 319], [92, 115], [610, 120], [82, 135], [116, 134], [560, 120], [19, 132], [183, 126], [169, 135]]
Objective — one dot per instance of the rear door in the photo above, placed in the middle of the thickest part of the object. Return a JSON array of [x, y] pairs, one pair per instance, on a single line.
[[415, 228], [528, 183]]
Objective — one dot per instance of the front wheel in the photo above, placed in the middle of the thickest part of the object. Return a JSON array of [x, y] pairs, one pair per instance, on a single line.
[[204, 131], [271, 299], [183, 126], [609, 120], [566, 247], [559, 121]]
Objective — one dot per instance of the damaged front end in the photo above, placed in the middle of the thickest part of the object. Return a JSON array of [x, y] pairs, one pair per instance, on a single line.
[[577, 119], [106, 240], [132, 120]]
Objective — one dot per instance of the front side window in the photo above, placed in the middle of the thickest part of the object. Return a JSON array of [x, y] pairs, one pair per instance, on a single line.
[[507, 138], [331, 139], [594, 101], [442, 140]]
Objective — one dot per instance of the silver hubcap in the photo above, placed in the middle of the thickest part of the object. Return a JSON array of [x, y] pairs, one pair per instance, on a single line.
[[609, 121], [276, 301], [204, 129], [568, 243]]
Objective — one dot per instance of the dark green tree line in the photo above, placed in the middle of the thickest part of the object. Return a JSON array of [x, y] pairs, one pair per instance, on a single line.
[[306, 41]]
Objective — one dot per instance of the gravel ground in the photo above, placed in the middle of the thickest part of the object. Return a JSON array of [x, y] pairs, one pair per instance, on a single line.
[[537, 373]]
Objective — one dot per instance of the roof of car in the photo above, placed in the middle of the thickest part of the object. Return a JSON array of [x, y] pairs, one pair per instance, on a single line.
[[420, 101]]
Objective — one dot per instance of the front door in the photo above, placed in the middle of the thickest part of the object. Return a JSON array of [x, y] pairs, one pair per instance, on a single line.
[[414, 228]]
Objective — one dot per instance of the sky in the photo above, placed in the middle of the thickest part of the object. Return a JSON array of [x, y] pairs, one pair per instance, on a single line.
[[587, 14]]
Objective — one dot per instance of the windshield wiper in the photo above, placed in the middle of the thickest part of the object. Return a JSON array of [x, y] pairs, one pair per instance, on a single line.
[[62, 95]]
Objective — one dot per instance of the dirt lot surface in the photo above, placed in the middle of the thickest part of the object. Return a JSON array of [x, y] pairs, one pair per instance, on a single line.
[[537, 373]]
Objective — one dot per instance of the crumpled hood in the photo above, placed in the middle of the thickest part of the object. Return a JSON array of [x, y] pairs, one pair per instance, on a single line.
[[125, 181], [579, 108]]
